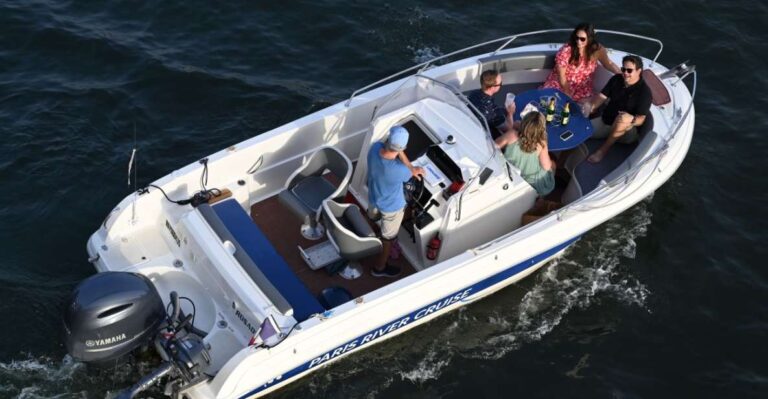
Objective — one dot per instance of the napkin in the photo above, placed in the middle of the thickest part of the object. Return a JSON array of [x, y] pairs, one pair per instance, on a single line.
[[528, 108]]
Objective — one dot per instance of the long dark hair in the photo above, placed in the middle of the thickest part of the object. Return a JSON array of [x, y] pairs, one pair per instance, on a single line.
[[592, 44]]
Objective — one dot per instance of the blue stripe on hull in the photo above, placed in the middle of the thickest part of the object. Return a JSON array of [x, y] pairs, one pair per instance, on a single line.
[[395, 324]]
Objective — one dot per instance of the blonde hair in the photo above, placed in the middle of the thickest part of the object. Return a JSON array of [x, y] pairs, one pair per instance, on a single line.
[[533, 131], [488, 79]]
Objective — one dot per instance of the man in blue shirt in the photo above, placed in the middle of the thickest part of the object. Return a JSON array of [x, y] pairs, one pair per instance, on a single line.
[[495, 115], [388, 169]]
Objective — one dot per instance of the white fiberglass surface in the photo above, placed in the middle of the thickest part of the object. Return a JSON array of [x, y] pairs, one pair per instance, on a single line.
[[418, 88]]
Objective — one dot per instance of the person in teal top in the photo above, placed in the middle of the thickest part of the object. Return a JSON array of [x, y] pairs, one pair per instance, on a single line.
[[528, 151]]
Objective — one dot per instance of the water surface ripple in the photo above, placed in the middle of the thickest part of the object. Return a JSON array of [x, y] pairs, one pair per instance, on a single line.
[[666, 300]]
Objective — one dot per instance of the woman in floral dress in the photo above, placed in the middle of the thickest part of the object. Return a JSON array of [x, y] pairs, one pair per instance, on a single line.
[[576, 61]]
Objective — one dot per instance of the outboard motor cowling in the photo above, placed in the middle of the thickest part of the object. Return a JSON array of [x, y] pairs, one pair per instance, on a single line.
[[110, 314]]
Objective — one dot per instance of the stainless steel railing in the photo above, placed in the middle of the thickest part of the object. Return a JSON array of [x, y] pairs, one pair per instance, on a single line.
[[582, 204], [507, 41], [630, 174]]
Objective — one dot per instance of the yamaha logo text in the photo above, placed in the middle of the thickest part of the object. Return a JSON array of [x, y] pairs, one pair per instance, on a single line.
[[104, 341]]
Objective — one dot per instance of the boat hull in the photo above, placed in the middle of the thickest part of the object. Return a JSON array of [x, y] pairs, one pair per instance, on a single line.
[[416, 317], [385, 312]]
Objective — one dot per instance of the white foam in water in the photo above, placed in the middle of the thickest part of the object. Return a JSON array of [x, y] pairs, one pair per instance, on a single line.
[[41, 368], [38, 393], [569, 283], [429, 367], [416, 361], [373, 392], [43, 377], [424, 54], [436, 358], [588, 272], [363, 383], [25, 378]]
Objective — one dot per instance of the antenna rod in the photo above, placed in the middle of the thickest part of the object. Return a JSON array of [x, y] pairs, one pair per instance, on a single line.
[[135, 176], [130, 164]]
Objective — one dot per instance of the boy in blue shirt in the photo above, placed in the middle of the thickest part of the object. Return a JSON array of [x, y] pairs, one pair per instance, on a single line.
[[388, 169]]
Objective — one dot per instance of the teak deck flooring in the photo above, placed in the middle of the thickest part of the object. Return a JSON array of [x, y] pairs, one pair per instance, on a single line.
[[283, 229]]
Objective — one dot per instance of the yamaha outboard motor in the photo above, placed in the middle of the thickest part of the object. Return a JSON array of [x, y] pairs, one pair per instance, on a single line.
[[110, 314]]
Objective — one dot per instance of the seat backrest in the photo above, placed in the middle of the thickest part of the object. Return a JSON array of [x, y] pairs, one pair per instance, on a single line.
[[349, 231], [531, 60], [659, 92], [327, 158]]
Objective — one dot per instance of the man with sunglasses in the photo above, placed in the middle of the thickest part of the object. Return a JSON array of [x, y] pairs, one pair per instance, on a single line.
[[629, 101], [490, 84]]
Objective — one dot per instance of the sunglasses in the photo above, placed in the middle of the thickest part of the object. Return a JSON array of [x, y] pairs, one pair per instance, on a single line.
[[581, 38], [627, 70]]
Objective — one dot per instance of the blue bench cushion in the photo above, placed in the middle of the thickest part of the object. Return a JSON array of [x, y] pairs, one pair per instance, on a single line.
[[589, 174], [266, 262]]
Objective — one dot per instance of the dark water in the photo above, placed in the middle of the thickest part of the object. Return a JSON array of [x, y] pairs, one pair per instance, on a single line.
[[666, 300]]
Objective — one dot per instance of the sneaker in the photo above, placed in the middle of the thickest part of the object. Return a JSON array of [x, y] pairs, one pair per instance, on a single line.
[[389, 271]]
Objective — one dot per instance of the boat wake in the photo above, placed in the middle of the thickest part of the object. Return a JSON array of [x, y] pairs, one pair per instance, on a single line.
[[34, 377], [44, 377], [588, 273]]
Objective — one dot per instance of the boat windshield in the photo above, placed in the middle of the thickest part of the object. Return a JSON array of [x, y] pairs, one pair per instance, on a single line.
[[419, 87]]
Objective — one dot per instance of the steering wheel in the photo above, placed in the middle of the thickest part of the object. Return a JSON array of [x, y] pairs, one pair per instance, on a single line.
[[413, 189]]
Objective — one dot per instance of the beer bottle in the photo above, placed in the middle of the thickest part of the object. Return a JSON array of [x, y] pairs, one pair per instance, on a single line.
[[566, 115], [551, 110]]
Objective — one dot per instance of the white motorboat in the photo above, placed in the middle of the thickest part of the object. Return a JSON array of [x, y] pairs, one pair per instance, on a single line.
[[212, 265]]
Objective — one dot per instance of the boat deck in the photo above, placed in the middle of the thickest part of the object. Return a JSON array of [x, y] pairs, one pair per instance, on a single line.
[[283, 229]]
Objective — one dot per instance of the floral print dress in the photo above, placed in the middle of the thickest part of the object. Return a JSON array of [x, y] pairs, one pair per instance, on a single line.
[[579, 76]]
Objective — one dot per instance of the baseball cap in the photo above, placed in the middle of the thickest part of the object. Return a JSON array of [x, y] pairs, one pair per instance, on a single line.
[[398, 139]]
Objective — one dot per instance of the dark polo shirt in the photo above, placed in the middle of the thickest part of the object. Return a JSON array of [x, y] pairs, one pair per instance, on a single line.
[[494, 114], [634, 100]]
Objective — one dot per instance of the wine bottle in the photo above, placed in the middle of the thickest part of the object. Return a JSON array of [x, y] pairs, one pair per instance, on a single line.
[[551, 110], [566, 115]]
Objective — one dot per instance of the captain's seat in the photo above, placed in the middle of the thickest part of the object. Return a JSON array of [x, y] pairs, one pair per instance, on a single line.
[[307, 188], [349, 231]]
